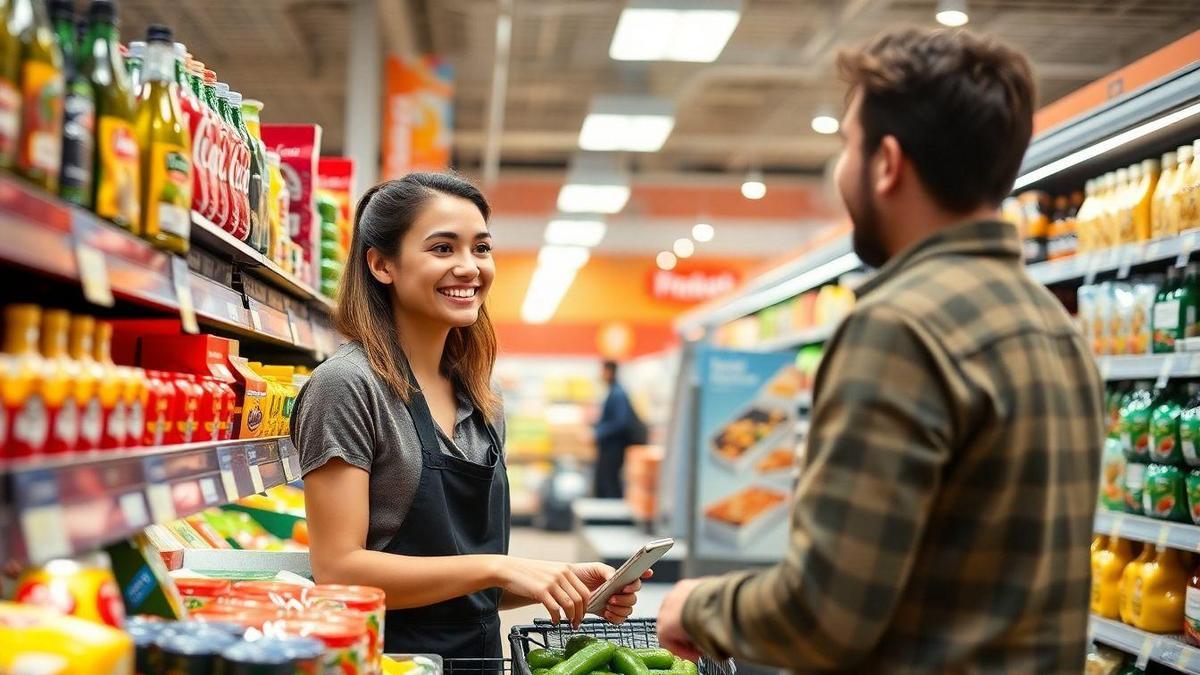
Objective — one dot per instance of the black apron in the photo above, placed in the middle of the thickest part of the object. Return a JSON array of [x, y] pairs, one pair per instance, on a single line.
[[460, 508]]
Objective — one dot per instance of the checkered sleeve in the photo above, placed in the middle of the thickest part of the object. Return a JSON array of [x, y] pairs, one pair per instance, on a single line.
[[881, 433]]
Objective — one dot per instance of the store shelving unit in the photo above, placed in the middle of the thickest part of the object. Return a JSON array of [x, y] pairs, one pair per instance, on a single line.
[[54, 507], [46, 235], [1182, 536], [812, 336], [1169, 650], [1159, 367]]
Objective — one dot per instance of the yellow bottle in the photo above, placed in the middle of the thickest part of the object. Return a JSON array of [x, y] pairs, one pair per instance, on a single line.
[[58, 383], [1105, 216], [1183, 155], [1161, 591], [1107, 565], [1190, 195], [1085, 220], [166, 167], [24, 408], [1143, 194], [87, 386], [1157, 202], [1129, 579], [114, 427], [1124, 210]]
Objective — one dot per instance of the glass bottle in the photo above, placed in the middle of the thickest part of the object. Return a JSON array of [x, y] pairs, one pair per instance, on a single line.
[[116, 170], [253, 172], [24, 408], [79, 112], [166, 148], [10, 92], [87, 385], [39, 150], [59, 382]]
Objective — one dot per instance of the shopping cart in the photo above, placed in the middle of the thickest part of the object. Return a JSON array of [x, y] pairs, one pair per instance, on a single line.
[[635, 633]]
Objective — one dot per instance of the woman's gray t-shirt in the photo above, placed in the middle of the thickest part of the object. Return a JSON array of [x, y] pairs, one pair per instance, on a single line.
[[346, 411]]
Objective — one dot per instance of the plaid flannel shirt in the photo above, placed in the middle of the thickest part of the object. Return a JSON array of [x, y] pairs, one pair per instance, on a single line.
[[943, 518]]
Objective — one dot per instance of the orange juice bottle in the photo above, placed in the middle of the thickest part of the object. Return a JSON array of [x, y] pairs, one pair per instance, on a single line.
[[1172, 198], [1161, 592], [24, 408], [1107, 565], [1158, 204], [1142, 195], [1086, 217], [1130, 577], [1189, 205], [59, 382], [113, 415], [1126, 179], [1105, 211], [87, 386]]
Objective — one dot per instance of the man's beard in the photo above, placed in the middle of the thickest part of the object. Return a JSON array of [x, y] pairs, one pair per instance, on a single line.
[[868, 235]]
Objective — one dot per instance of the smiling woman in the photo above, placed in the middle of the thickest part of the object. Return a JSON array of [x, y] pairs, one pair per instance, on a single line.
[[401, 435]]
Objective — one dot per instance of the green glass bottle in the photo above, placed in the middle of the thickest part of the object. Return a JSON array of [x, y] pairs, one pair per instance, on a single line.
[[79, 111]]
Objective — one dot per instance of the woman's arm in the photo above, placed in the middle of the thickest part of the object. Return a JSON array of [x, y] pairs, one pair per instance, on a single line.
[[337, 503]]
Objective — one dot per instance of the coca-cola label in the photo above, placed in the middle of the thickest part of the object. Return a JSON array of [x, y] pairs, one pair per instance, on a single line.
[[201, 145]]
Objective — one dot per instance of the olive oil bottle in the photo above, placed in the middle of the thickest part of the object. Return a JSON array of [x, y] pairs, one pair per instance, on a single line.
[[166, 148]]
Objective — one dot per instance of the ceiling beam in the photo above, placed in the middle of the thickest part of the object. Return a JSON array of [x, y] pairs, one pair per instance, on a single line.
[[495, 118]]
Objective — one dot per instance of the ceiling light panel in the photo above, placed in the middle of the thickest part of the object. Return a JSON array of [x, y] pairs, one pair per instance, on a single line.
[[674, 30]]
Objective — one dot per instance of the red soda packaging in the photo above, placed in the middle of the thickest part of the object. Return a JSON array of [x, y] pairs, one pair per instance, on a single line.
[[299, 147]]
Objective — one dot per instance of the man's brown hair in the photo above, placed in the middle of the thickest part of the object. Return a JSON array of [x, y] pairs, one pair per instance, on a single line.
[[960, 105]]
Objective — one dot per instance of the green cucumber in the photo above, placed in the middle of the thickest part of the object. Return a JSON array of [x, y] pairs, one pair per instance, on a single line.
[[602, 672], [540, 671], [684, 666], [659, 658], [593, 656], [576, 643], [627, 662], [544, 658]]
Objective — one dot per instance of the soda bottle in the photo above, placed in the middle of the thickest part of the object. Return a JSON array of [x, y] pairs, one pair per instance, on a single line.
[[24, 407], [79, 111], [10, 88], [260, 188], [58, 383], [253, 180], [39, 150], [193, 113], [204, 146], [116, 169], [219, 156], [166, 148], [236, 166]]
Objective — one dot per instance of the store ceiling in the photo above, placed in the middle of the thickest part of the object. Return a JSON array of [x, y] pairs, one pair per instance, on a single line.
[[752, 106]]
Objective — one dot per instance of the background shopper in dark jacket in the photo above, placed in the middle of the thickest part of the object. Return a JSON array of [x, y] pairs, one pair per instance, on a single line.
[[615, 431]]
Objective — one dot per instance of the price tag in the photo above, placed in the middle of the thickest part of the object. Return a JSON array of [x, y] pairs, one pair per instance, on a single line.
[[133, 508], [1186, 243], [1184, 659], [45, 533], [1164, 372], [256, 478], [1143, 655], [1105, 367], [93, 275], [162, 507], [256, 320], [1093, 266], [227, 480], [1153, 250], [289, 472], [182, 280], [208, 490], [234, 312], [1127, 256], [291, 316], [1114, 526], [1164, 533]]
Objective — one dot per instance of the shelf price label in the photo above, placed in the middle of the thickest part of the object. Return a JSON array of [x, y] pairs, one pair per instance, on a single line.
[[93, 275], [1187, 242], [133, 509], [291, 317], [255, 473], [1144, 652], [1127, 256], [228, 482], [1164, 371], [256, 320], [182, 280], [208, 490]]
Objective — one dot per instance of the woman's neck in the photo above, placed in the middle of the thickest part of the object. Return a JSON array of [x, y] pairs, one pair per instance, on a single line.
[[423, 344]]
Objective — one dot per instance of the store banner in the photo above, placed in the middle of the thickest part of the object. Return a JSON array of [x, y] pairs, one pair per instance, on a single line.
[[691, 284], [745, 454], [417, 116]]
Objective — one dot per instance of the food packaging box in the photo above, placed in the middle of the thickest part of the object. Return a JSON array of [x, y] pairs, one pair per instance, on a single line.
[[143, 576], [739, 519], [42, 640], [299, 148]]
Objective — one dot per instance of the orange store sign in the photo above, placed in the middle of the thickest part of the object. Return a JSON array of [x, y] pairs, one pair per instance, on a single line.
[[691, 285]]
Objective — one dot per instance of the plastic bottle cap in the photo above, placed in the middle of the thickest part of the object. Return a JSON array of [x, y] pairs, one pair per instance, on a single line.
[[235, 99], [159, 33], [222, 90], [136, 50], [102, 11]]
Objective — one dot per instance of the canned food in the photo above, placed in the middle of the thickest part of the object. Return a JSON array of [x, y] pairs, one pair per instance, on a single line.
[[193, 652], [201, 592], [366, 599], [345, 645], [261, 657]]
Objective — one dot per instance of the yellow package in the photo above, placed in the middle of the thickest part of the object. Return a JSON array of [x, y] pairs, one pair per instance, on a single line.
[[42, 641], [1107, 565], [1159, 592]]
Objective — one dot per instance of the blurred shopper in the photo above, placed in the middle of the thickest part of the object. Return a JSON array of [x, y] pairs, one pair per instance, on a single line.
[[617, 429], [943, 517], [401, 438]]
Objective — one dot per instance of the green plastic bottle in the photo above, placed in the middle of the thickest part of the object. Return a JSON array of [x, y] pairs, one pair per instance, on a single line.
[[1166, 314], [1135, 442], [1165, 445]]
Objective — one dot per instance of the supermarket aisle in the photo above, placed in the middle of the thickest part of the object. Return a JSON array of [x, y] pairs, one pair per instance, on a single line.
[[534, 543]]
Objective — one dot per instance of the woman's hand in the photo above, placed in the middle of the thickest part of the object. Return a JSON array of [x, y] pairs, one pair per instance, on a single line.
[[620, 605], [555, 585]]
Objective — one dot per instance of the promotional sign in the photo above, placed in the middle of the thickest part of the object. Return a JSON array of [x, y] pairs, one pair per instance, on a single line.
[[417, 116], [745, 454], [690, 285]]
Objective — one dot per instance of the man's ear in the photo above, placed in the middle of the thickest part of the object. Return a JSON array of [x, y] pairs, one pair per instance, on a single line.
[[380, 266], [886, 165]]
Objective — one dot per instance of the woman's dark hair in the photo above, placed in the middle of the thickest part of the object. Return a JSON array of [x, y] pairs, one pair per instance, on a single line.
[[364, 307]]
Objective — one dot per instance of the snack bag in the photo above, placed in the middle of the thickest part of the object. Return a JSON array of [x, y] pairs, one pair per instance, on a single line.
[[299, 147]]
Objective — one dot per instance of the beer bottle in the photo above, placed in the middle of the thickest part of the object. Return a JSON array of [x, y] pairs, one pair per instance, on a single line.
[[10, 91], [116, 169], [166, 148], [79, 111], [39, 150]]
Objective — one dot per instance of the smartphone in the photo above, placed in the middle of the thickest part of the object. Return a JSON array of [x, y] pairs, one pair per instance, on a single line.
[[631, 571]]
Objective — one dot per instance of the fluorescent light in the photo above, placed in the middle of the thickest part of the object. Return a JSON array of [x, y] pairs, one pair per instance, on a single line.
[[629, 123], [674, 30], [596, 183], [825, 124], [703, 232], [546, 290], [683, 248], [754, 187], [1106, 145], [563, 257], [665, 260], [952, 13], [569, 232]]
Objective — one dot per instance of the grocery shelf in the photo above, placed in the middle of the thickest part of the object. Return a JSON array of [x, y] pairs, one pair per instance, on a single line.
[[1182, 536], [1160, 367], [796, 340], [1119, 259], [1169, 650], [45, 234], [54, 507]]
